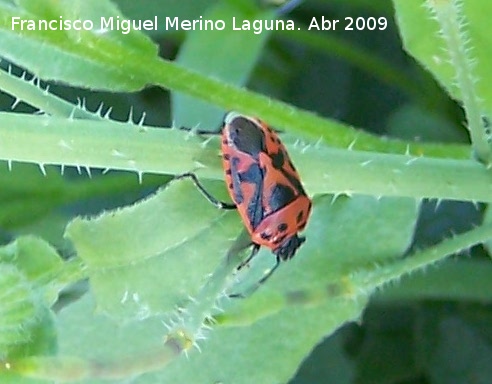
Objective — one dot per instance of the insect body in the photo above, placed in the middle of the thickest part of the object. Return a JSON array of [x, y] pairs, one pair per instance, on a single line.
[[264, 186]]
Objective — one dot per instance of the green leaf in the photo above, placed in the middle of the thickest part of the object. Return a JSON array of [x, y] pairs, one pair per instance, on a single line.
[[420, 34], [342, 237], [114, 342], [455, 279], [219, 360], [268, 351], [18, 310], [328, 257], [150, 257], [88, 58], [26, 323], [230, 56], [18, 307], [36, 259], [42, 338]]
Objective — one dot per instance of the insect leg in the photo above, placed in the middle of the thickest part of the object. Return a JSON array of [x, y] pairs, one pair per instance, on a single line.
[[261, 281], [253, 253], [270, 273], [219, 204], [257, 285]]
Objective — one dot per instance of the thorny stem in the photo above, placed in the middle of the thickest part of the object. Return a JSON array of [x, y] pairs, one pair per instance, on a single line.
[[362, 282], [32, 93], [449, 14], [48, 140], [278, 114]]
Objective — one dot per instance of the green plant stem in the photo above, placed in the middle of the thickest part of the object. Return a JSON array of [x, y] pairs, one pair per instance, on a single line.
[[363, 282], [383, 274], [337, 171], [112, 145], [105, 54], [200, 309], [41, 99], [460, 280], [452, 22], [283, 115]]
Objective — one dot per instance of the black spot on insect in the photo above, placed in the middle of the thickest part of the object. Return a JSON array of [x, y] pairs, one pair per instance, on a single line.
[[296, 184], [281, 196], [235, 186], [225, 142], [228, 171], [226, 156], [278, 160], [253, 175], [299, 217], [265, 236], [282, 227], [247, 136]]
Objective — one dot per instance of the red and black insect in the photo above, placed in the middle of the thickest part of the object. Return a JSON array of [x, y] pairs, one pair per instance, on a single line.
[[264, 186]]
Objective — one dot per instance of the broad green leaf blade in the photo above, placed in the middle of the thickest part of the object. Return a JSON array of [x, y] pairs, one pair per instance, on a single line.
[[268, 351], [98, 57], [42, 340], [342, 237], [146, 259], [18, 308], [228, 55], [274, 346], [25, 324], [333, 252], [36, 259], [420, 34], [132, 338]]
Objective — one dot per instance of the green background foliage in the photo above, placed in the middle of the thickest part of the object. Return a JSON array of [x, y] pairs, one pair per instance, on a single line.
[[110, 270]]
